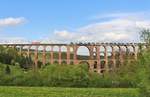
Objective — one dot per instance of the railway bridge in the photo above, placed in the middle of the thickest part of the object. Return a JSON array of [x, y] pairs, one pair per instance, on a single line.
[[103, 57]]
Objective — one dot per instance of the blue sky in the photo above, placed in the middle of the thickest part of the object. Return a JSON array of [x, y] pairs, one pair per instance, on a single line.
[[56, 20]]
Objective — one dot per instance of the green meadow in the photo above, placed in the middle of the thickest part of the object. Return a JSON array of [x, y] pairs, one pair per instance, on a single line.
[[10, 91]]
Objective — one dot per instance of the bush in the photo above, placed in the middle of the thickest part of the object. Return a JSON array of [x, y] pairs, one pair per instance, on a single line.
[[7, 70], [54, 76], [144, 73]]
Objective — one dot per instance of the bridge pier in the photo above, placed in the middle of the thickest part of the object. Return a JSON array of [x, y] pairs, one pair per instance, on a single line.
[[98, 59], [36, 57], [51, 56], [59, 59], [68, 54], [75, 54], [44, 55]]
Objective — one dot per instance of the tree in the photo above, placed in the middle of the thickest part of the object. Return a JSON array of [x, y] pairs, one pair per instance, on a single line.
[[143, 65], [145, 35]]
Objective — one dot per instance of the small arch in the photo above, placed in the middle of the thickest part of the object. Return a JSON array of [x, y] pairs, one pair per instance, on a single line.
[[64, 62], [103, 63], [95, 64], [86, 63], [56, 62], [102, 71], [71, 63], [118, 64], [110, 64]]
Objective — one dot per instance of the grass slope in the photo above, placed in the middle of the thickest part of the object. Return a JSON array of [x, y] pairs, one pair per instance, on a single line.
[[66, 92]]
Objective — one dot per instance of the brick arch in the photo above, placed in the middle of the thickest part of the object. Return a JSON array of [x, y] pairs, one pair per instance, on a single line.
[[133, 51], [55, 62], [85, 47], [64, 52], [121, 53], [64, 62], [86, 63], [111, 57], [115, 55]]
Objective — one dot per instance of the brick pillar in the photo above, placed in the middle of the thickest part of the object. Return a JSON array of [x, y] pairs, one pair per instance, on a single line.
[[113, 57], [91, 58], [127, 55], [120, 55], [51, 56], [91, 52], [106, 59], [135, 52], [28, 52], [127, 51], [68, 54], [98, 59], [75, 54], [44, 55], [36, 57], [14, 46], [20, 51], [59, 56]]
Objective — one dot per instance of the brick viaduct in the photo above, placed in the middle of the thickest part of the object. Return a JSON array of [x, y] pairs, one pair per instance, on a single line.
[[111, 57]]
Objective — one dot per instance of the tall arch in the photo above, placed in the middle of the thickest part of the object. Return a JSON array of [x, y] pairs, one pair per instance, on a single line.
[[116, 56], [48, 54], [83, 53], [63, 54], [104, 58], [110, 55], [55, 49], [40, 53], [35, 55]]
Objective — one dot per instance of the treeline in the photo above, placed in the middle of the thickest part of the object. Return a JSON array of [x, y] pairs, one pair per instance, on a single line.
[[11, 56]]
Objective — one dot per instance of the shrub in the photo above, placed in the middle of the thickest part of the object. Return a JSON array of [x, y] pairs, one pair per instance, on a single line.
[[144, 73], [7, 70]]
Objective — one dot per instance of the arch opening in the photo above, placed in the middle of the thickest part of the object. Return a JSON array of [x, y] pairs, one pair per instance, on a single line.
[[64, 52], [83, 53]]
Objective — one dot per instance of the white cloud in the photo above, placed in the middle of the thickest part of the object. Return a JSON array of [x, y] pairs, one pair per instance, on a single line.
[[13, 40], [133, 15], [11, 21], [122, 28]]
